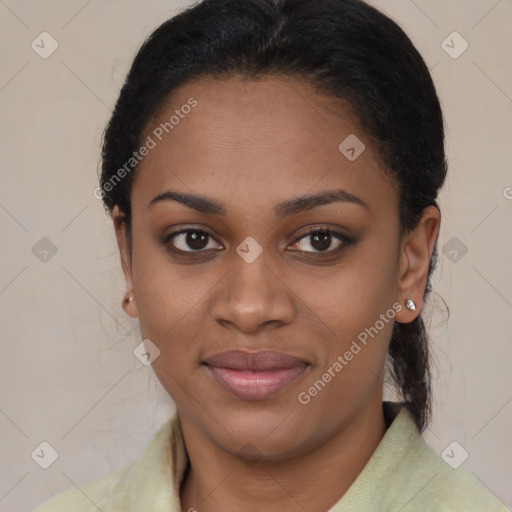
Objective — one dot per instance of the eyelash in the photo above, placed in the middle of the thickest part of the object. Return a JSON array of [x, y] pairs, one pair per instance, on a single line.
[[344, 239]]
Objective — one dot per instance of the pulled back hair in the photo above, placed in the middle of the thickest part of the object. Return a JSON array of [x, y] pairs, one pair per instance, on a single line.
[[345, 49]]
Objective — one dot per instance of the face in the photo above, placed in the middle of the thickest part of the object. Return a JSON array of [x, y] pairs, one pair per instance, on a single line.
[[246, 266]]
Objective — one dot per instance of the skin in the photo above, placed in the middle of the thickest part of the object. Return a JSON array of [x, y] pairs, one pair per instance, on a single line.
[[251, 145]]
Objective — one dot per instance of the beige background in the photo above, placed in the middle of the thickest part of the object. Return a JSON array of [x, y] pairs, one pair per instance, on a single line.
[[68, 374]]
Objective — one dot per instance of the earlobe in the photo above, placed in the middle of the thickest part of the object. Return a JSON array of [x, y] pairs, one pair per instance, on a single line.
[[415, 254], [129, 305]]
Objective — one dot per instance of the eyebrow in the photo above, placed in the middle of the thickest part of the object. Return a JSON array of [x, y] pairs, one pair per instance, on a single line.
[[287, 208]]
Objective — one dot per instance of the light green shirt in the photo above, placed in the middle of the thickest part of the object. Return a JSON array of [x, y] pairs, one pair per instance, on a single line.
[[403, 475]]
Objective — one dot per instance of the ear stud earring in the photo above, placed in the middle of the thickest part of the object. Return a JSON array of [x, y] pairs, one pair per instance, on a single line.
[[129, 299], [409, 304]]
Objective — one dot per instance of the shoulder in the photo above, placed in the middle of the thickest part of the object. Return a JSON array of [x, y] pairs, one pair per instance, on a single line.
[[404, 474], [434, 485], [131, 487], [102, 494], [447, 488]]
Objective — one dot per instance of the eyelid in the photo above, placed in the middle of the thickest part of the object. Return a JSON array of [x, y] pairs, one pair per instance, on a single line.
[[344, 240], [166, 239], [341, 237]]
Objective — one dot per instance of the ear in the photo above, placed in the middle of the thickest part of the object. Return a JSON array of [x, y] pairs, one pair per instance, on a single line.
[[130, 307], [416, 251]]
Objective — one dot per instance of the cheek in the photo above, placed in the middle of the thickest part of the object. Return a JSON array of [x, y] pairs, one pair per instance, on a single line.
[[351, 295], [170, 300], [354, 305]]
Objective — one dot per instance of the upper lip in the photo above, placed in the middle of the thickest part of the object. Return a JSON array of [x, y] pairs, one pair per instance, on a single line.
[[255, 361]]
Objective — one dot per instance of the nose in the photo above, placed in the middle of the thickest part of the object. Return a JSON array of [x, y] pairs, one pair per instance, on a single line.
[[253, 296]]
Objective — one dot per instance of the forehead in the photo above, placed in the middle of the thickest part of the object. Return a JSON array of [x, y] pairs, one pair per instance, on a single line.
[[257, 141]]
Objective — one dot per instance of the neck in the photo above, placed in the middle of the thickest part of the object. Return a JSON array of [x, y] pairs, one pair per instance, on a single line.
[[314, 481]]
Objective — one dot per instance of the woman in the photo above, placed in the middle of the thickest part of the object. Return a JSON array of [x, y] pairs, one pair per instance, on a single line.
[[272, 169]]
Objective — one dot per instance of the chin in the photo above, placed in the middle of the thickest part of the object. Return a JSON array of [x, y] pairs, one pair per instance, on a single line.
[[265, 435]]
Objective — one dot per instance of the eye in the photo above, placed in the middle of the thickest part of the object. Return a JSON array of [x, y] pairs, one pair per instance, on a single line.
[[321, 240], [316, 241], [190, 240]]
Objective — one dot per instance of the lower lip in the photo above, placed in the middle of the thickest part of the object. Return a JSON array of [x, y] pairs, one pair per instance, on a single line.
[[255, 385]]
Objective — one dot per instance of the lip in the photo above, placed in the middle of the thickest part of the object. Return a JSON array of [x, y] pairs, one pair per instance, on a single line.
[[255, 375]]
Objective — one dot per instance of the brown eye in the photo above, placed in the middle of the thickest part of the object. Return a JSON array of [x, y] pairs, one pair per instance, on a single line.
[[321, 241], [191, 240]]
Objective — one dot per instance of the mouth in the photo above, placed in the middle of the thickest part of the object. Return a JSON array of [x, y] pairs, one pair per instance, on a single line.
[[255, 376]]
